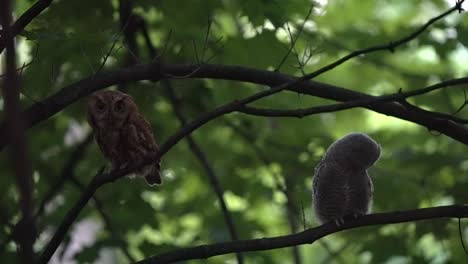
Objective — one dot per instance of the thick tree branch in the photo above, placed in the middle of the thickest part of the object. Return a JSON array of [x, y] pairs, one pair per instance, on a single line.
[[153, 71], [156, 71], [23, 21], [74, 92], [15, 133], [101, 179], [367, 102], [308, 236]]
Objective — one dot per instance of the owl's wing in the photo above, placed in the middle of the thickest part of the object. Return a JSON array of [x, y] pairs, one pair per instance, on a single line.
[[143, 133], [91, 120], [330, 191], [97, 136]]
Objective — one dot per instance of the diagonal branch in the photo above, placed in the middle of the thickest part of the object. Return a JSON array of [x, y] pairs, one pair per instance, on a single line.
[[294, 40], [23, 21], [367, 102], [156, 71], [141, 70], [200, 155], [107, 220], [69, 218], [195, 148], [308, 236], [290, 207], [66, 173]]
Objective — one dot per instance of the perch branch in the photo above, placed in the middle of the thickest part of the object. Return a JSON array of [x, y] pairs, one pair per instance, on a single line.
[[140, 71], [308, 236]]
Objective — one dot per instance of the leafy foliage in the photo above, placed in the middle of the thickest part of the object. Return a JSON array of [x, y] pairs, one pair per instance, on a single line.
[[252, 156]]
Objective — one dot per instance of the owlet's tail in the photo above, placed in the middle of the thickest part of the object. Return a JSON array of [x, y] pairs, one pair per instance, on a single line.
[[152, 174]]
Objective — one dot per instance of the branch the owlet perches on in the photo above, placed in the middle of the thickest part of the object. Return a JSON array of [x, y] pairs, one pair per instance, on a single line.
[[122, 133], [341, 185]]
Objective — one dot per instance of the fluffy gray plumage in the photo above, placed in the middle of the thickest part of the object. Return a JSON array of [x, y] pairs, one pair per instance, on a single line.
[[341, 185]]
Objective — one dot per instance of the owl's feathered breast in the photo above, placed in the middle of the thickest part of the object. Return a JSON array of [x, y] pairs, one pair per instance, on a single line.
[[130, 142]]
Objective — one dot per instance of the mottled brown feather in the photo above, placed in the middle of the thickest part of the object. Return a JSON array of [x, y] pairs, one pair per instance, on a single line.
[[122, 133]]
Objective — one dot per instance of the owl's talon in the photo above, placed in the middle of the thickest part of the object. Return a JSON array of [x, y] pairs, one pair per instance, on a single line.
[[356, 215], [339, 222], [123, 166], [102, 170]]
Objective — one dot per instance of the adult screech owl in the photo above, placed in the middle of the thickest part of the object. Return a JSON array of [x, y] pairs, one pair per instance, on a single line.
[[122, 133], [341, 184]]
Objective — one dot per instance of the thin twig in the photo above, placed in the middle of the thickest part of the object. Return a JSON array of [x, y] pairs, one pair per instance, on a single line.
[[461, 236], [367, 102], [293, 40], [333, 254], [25, 64], [200, 155], [465, 102], [283, 188], [205, 43]]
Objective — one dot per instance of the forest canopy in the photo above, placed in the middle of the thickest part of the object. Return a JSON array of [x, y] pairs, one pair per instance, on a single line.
[[244, 98]]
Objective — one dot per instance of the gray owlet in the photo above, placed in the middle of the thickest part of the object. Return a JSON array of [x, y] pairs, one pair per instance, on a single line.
[[341, 185]]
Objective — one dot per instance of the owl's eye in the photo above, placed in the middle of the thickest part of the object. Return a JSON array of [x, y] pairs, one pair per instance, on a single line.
[[100, 106], [119, 106]]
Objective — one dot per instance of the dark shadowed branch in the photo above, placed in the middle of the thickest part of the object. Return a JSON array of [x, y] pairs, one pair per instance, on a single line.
[[68, 220], [308, 236], [155, 71], [23, 21], [195, 148], [66, 173], [291, 208], [18, 153], [57, 186], [107, 220], [367, 102], [101, 179], [200, 155]]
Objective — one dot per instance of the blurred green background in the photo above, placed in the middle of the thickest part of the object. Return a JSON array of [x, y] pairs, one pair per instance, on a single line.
[[264, 165]]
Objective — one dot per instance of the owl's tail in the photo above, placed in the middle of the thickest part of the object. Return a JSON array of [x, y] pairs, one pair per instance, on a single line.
[[153, 175]]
